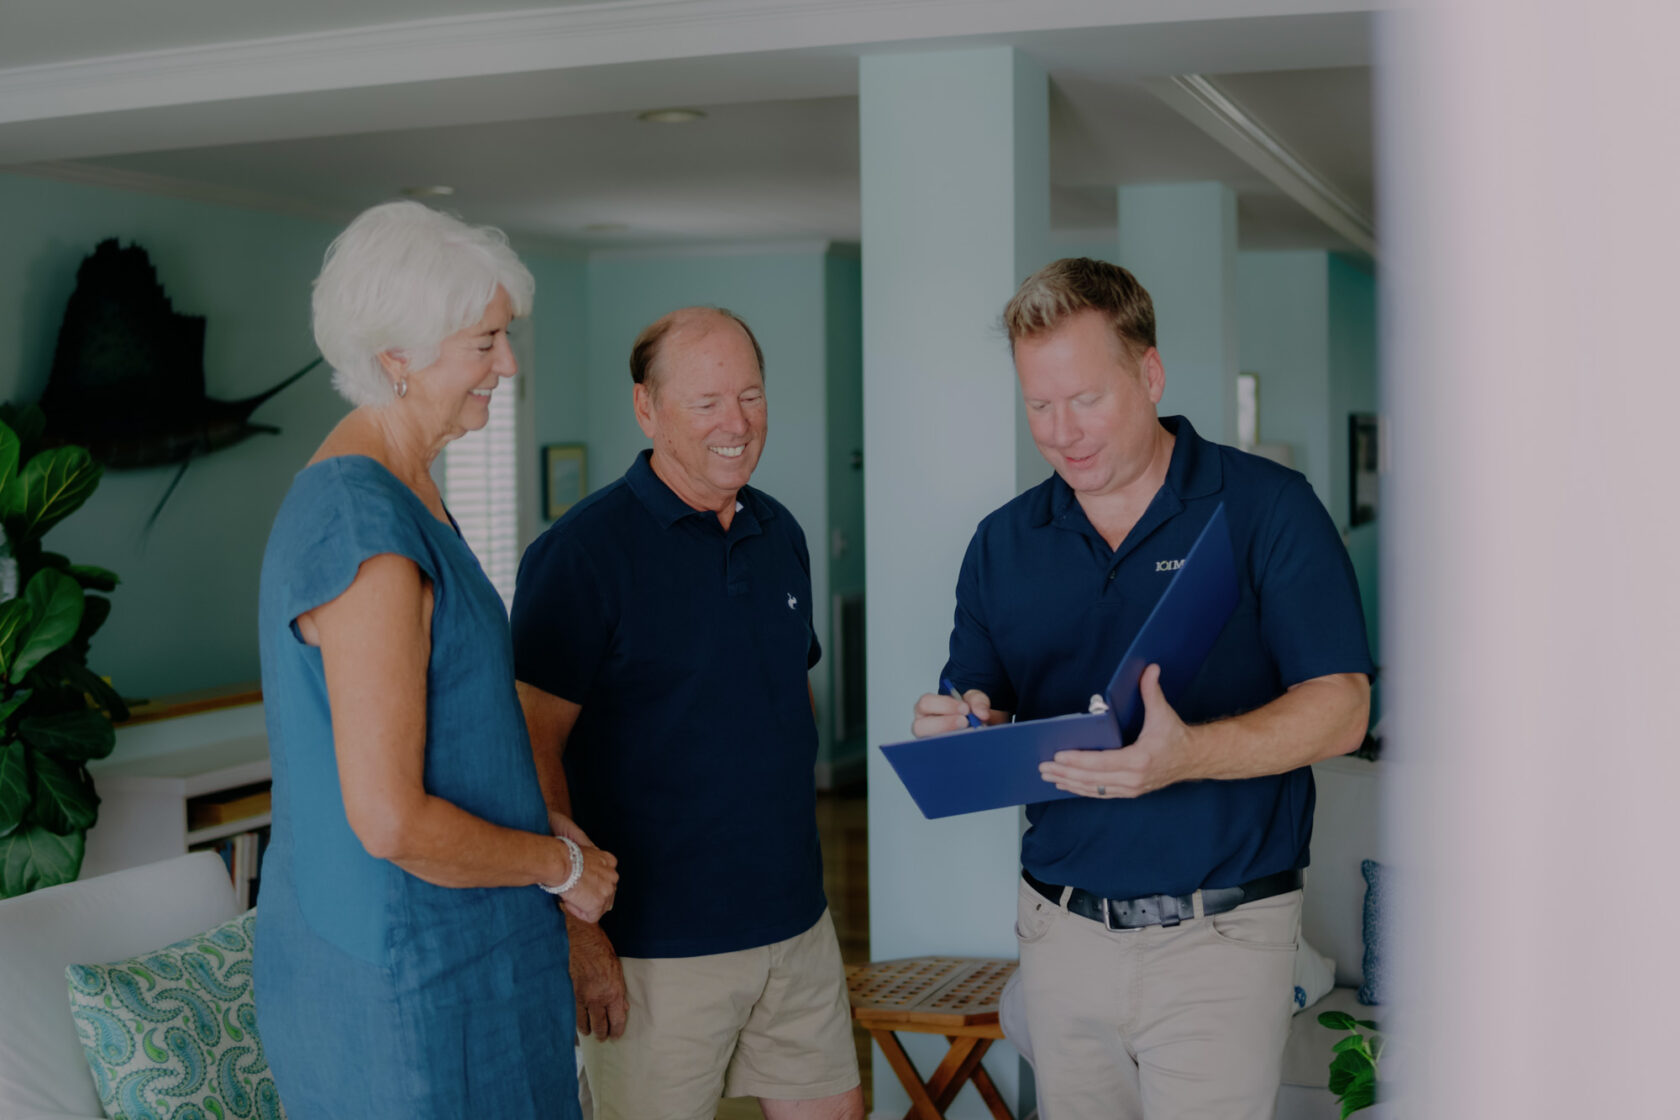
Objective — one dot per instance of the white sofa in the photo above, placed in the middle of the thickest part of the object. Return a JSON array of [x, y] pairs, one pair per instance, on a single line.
[[1346, 830], [43, 1073]]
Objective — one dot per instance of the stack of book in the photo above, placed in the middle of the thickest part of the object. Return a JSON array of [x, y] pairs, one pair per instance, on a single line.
[[217, 819]]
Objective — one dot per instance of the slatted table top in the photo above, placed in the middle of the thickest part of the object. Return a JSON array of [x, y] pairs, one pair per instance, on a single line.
[[928, 992]]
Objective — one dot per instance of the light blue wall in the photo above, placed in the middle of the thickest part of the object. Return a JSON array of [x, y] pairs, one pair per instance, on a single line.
[[1283, 335], [843, 330], [185, 616], [1307, 324], [782, 295], [560, 326], [1180, 241], [1354, 387]]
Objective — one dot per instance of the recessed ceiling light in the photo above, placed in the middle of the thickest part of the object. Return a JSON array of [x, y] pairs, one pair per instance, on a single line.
[[671, 116], [606, 227], [428, 192]]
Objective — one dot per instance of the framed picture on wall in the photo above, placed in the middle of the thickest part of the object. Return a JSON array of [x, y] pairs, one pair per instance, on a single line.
[[565, 477], [1362, 468]]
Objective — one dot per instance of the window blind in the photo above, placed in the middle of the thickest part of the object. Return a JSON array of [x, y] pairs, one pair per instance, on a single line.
[[481, 487]]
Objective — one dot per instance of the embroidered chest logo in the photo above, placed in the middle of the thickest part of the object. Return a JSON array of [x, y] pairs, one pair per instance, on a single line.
[[1168, 565], [792, 602]]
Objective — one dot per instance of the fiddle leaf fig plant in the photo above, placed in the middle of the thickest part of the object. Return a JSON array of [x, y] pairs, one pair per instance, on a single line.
[[56, 714], [1353, 1067]]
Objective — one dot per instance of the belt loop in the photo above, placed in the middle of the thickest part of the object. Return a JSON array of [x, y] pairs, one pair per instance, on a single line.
[[1196, 904], [1067, 892]]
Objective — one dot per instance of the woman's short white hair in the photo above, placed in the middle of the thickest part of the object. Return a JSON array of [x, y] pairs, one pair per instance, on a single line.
[[403, 276]]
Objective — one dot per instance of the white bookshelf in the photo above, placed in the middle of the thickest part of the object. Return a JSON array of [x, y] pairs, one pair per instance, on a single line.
[[156, 769]]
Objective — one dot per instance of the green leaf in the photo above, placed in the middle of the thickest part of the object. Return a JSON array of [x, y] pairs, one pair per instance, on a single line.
[[94, 578], [51, 487], [1361, 1094], [14, 786], [16, 619], [1367, 1024], [56, 602], [91, 684], [1351, 1042], [31, 858], [10, 447], [1345, 1068], [18, 700], [1337, 1020], [73, 736], [95, 610], [64, 798]]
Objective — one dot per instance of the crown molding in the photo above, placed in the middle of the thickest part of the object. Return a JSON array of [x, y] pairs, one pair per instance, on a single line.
[[1215, 112], [615, 31]]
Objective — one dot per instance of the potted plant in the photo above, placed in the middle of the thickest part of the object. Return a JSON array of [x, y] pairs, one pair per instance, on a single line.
[[1353, 1069], [55, 713]]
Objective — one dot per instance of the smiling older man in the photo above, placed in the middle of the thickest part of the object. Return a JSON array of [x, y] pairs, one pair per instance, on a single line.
[[662, 634]]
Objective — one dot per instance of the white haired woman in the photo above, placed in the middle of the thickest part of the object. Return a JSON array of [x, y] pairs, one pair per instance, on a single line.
[[409, 961]]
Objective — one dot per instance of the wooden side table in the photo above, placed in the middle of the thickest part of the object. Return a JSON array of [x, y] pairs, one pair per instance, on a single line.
[[953, 996]]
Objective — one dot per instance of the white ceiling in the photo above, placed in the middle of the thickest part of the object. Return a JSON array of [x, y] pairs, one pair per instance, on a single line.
[[547, 151]]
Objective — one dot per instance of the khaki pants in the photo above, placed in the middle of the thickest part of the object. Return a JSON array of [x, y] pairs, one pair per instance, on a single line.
[[769, 1022], [1159, 1023]]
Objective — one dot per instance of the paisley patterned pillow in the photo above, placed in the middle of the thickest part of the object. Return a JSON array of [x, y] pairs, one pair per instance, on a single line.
[[172, 1035]]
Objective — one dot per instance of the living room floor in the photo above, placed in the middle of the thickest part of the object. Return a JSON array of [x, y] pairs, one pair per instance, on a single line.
[[843, 822]]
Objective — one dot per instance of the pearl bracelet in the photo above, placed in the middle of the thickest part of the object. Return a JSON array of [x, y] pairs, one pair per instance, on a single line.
[[577, 868]]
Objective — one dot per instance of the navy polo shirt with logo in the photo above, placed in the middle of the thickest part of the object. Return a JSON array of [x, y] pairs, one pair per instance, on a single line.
[[687, 648], [1045, 609]]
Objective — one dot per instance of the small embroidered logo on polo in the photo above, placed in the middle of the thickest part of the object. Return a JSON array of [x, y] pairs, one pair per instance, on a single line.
[[1168, 565], [792, 602]]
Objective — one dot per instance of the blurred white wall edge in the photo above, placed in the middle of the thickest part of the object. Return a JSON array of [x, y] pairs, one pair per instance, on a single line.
[[1531, 243]]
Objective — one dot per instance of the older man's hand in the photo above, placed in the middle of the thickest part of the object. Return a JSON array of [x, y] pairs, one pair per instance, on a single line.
[[597, 982], [1162, 755], [937, 713]]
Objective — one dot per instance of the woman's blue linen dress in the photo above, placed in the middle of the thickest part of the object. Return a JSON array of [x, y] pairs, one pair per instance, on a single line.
[[379, 994]]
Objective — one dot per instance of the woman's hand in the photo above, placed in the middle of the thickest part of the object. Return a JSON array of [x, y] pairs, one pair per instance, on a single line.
[[592, 895]]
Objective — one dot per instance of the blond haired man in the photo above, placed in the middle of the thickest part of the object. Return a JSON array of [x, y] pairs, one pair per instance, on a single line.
[[1158, 910]]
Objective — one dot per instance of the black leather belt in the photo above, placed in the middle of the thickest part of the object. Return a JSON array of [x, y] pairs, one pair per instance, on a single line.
[[1163, 909]]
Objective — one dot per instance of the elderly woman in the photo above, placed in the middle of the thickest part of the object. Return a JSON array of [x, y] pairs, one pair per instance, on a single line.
[[410, 963]]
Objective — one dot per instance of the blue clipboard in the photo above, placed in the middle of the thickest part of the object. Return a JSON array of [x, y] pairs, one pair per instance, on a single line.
[[991, 767]]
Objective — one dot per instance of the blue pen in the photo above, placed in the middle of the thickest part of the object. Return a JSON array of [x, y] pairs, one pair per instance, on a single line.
[[950, 690]]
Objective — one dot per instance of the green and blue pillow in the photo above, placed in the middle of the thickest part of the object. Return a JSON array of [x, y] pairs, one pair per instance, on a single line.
[[172, 1034]]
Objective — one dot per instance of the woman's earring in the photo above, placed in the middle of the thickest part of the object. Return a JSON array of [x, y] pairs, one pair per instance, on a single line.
[[401, 387]]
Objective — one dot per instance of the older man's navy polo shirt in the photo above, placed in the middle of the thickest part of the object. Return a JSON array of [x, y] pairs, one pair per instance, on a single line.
[[1045, 609], [687, 647]]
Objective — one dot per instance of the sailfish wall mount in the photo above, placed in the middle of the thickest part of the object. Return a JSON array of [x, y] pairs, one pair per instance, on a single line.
[[127, 377]]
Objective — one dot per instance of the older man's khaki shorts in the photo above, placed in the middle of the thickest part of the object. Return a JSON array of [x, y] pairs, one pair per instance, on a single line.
[[769, 1022]]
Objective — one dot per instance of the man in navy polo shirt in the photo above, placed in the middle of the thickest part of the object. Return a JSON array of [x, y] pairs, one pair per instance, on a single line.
[[662, 635], [1159, 910]]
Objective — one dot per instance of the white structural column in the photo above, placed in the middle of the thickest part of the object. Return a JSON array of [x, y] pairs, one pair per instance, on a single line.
[[955, 194], [1531, 595], [1180, 241]]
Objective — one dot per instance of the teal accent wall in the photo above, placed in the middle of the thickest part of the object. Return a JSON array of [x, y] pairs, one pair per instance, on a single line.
[[843, 331], [1355, 387], [185, 615], [1283, 335], [559, 376], [1307, 324]]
